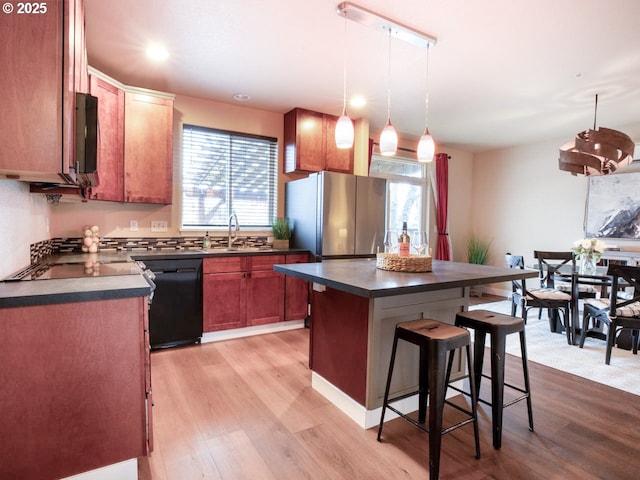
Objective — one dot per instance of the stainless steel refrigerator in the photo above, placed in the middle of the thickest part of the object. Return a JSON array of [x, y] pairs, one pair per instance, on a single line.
[[336, 215]]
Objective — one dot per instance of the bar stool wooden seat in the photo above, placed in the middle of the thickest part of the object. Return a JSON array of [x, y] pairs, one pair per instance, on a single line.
[[498, 326], [436, 340]]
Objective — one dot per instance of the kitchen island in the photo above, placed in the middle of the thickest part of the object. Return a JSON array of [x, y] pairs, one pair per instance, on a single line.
[[354, 310]]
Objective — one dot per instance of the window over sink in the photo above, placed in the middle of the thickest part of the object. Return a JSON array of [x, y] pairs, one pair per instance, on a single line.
[[228, 172]]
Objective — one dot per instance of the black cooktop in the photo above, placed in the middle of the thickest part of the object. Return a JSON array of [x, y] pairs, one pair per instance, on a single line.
[[48, 271]]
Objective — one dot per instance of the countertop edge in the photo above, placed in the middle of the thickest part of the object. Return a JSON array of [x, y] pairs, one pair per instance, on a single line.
[[340, 280]]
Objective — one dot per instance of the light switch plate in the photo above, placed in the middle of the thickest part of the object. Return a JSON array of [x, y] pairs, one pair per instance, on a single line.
[[133, 225]]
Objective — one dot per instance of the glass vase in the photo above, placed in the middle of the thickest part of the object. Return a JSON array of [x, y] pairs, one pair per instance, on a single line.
[[588, 265]]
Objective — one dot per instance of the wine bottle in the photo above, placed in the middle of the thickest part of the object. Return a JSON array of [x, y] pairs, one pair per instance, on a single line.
[[404, 242]]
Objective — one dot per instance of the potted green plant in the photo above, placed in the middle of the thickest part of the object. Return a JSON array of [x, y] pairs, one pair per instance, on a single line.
[[478, 253], [281, 229], [477, 250]]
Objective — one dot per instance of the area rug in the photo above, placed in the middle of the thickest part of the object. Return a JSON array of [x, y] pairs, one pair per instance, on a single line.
[[551, 349]]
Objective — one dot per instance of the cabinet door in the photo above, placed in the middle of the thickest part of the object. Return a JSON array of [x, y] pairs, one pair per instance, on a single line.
[[224, 303], [30, 124], [336, 159], [265, 297], [111, 140], [296, 292], [304, 139], [148, 148]]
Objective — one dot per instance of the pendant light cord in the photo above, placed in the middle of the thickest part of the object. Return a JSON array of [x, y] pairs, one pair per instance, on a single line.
[[426, 96], [595, 113], [389, 82], [344, 85]]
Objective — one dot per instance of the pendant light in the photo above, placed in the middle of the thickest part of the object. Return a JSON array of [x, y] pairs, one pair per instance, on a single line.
[[344, 126], [600, 151], [389, 136], [426, 145]]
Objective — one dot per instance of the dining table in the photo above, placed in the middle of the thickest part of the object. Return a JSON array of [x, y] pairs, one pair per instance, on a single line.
[[584, 285]]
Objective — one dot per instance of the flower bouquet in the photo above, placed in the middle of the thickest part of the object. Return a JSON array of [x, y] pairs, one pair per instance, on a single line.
[[589, 250]]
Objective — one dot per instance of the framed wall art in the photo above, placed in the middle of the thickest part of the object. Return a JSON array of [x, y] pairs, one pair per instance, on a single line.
[[613, 206]]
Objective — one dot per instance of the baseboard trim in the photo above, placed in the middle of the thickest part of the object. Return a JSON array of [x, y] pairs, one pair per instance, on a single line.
[[250, 331]]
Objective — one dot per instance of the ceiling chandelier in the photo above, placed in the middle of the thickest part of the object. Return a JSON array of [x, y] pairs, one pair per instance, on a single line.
[[596, 152]]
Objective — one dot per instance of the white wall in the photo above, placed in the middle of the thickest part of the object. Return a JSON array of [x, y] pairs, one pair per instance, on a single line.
[[523, 202], [24, 219]]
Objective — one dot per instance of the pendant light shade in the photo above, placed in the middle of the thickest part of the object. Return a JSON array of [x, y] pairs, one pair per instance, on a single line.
[[388, 140], [600, 151], [426, 147], [344, 126], [344, 132]]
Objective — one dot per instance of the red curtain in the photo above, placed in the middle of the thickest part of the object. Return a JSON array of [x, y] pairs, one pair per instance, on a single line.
[[443, 251]]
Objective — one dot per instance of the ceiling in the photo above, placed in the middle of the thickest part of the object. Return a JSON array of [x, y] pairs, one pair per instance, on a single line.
[[502, 73]]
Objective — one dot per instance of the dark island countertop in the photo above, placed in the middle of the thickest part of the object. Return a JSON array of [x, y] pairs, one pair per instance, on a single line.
[[361, 277]]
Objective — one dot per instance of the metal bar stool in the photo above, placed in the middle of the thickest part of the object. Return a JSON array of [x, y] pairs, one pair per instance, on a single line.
[[435, 340], [497, 325]]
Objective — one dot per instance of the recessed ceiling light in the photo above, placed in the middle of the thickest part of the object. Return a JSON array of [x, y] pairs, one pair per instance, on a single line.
[[357, 101], [241, 97], [157, 53]]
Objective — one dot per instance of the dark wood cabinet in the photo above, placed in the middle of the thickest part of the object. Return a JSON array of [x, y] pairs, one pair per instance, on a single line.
[[309, 144], [111, 140], [148, 148], [45, 64], [241, 291], [135, 150], [296, 291], [265, 291], [75, 387]]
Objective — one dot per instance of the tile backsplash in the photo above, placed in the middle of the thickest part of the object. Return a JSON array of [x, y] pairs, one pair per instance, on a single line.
[[133, 244]]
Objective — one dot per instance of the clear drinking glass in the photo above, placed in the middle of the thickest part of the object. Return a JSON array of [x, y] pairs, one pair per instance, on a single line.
[[391, 241], [419, 241]]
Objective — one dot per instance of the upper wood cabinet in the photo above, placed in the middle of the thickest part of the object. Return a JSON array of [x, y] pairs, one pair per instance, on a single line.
[[45, 63], [111, 145], [309, 144], [148, 148], [135, 150]]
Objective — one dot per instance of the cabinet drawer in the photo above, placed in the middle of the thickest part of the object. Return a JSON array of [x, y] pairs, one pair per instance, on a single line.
[[265, 262], [224, 264], [297, 258]]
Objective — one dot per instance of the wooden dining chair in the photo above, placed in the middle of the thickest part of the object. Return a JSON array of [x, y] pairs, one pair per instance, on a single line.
[[621, 310], [594, 291], [542, 298]]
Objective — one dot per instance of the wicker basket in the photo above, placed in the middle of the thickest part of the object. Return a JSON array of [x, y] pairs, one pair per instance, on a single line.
[[396, 263]]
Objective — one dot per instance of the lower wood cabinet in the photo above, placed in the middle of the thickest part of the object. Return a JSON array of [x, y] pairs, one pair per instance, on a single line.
[[76, 387], [296, 291], [241, 291]]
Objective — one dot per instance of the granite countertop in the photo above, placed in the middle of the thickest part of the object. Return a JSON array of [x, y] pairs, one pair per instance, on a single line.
[[361, 277], [51, 291], [68, 290]]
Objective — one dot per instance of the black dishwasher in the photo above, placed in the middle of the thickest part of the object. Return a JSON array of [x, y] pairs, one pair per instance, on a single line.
[[175, 315]]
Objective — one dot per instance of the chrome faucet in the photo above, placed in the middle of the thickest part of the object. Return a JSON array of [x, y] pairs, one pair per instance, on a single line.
[[235, 232]]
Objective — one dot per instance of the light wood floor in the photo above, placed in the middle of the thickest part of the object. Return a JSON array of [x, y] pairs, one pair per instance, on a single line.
[[244, 409]]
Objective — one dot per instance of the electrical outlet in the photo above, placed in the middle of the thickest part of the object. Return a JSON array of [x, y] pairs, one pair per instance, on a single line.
[[158, 225], [133, 225]]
